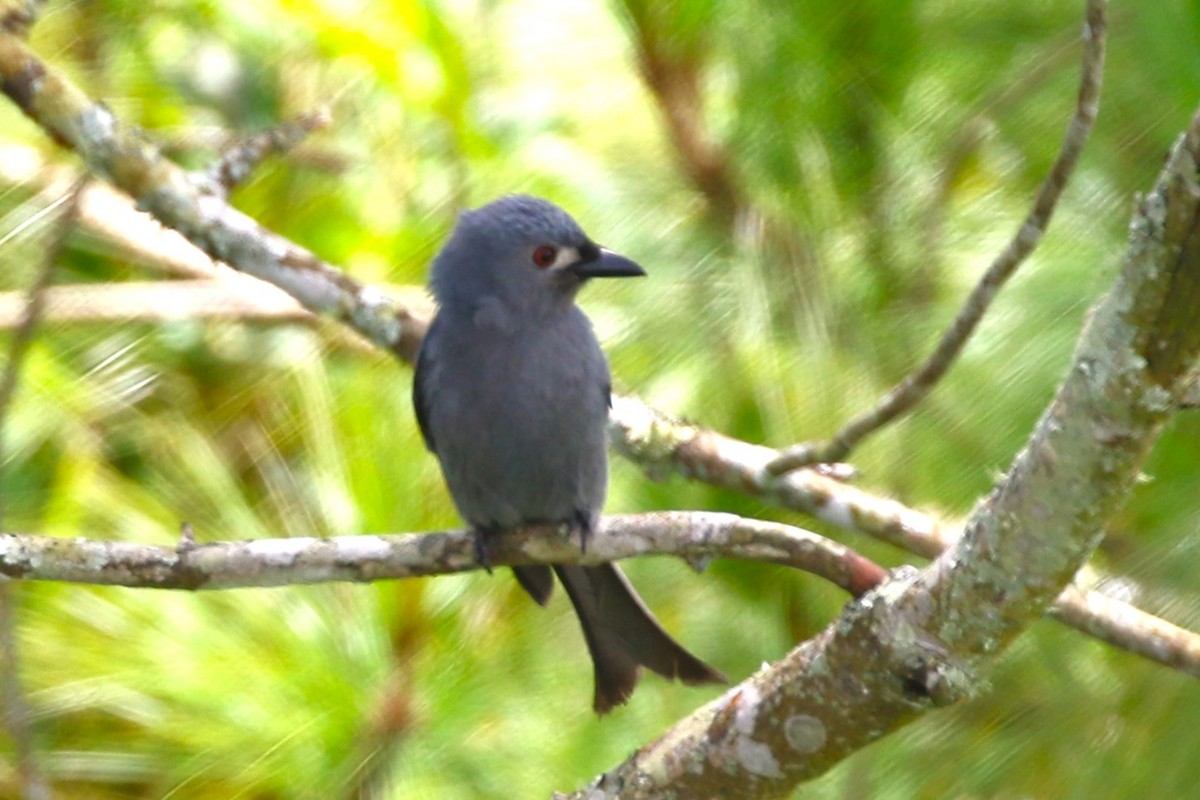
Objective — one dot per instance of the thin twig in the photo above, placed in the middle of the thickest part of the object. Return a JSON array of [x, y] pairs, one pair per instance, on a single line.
[[238, 162], [913, 388], [16, 712], [18, 16]]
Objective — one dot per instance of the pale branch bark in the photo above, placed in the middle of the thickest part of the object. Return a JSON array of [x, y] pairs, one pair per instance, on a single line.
[[13, 708], [662, 445], [155, 301], [1129, 628], [909, 392], [696, 536], [917, 641], [647, 437], [232, 297], [112, 216]]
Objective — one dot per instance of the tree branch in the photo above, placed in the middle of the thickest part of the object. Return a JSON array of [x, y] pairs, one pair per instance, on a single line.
[[916, 642], [221, 298], [177, 200], [697, 536], [111, 215], [671, 68], [18, 16], [903, 397], [238, 162], [156, 301], [658, 443]]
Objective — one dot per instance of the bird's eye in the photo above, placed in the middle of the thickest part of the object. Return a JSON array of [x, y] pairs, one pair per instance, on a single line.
[[544, 256]]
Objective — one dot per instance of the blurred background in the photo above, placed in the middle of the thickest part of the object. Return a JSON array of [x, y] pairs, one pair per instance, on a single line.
[[813, 187]]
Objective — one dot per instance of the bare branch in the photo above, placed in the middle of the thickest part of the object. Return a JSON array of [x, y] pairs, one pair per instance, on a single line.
[[913, 389], [662, 445], [112, 215], [161, 301], [157, 301], [697, 536], [175, 198], [911, 644], [1129, 628], [15, 711], [239, 161], [916, 642], [649, 438], [18, 16], [216, 292]]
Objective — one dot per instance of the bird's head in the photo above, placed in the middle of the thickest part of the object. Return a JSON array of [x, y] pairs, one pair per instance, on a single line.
[[527, 253]]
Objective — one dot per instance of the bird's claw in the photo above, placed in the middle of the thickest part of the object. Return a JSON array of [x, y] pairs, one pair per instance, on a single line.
[[482, 553], [584, 523]]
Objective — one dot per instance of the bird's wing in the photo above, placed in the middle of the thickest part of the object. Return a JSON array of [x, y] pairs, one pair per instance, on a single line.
[[422, 386]]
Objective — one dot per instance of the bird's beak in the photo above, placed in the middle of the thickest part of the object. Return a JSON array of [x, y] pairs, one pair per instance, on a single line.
[[607, 264]]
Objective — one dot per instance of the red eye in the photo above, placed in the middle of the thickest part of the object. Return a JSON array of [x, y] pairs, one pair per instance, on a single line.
[[544, 256]]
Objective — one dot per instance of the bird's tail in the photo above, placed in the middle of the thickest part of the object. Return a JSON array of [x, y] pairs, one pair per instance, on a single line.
[[622, 635]]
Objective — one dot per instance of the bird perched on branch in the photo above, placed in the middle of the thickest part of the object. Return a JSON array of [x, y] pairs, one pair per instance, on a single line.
[[512, 396]]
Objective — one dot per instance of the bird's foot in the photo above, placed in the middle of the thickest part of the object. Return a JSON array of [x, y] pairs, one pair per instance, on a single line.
[[584, 523], [483, 553]]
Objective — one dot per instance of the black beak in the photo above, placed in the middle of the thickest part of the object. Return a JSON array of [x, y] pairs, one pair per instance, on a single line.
[[601, 263]]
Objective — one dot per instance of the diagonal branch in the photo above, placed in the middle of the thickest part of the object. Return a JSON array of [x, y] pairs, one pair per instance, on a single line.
[[903, 397], [671, 68], [697, 536], [917, 642], [177, 199], [658, 443]]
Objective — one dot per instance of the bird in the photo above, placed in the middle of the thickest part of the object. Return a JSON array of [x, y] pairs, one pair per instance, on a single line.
[[512, 394]]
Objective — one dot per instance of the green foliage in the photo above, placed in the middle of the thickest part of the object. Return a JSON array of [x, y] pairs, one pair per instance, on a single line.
[[883, 153]]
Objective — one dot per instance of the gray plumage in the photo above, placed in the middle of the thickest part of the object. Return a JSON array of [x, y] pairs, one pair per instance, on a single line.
[[512, 395]]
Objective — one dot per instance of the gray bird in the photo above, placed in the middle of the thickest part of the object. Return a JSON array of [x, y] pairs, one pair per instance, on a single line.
[[512, 396]]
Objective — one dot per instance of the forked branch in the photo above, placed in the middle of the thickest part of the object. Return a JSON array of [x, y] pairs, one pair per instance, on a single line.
[[909, 392]]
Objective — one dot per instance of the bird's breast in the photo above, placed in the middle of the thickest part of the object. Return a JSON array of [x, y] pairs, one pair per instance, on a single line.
[[520, 420]]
